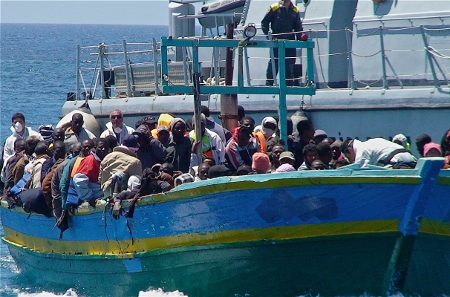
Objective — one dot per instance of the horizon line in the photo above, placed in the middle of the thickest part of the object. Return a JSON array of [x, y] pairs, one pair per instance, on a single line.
[[39, 23]]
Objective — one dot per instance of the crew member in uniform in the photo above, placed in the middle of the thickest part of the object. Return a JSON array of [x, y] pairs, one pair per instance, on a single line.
[[283, 17]]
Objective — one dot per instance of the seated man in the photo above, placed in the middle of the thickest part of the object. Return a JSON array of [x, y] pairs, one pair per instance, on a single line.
[[116, 127], [120, 164], [151, 151], [75, 132], [19, 131], [240, 149], [85, 173], [7, 170], [325, 154], [309, 155], [41, 151]]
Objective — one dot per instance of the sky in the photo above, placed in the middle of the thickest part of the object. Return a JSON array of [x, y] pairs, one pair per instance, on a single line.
[[123, 12]]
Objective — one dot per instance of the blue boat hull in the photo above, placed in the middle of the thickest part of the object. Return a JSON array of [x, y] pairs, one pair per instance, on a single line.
[[328, 233]]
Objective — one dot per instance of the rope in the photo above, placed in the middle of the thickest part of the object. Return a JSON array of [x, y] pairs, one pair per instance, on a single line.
[[368, 56], [436, 53]]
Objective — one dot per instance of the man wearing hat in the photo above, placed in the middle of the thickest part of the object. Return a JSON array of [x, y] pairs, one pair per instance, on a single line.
[[116, 127], [267, 137], [402, 140], [163, 133], [287, 158], [150, 151], [319, 135], [121, 164]]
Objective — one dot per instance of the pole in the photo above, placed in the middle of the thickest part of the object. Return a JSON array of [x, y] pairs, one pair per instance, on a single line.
[[197, 113], [229, 102]]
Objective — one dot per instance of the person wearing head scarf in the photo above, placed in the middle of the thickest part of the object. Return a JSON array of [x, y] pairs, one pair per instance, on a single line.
[[260, 163], [432, 149], [180, 147]]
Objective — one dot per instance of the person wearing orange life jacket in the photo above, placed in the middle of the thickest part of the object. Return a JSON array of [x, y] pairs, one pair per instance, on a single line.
[[266, 134], [212, 145]]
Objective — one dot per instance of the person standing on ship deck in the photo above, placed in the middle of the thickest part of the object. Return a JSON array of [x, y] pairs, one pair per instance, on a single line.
[[283, 17]]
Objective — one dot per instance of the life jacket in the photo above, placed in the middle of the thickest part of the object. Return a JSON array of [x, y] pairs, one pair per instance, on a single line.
[[261, 140], [207, 150]]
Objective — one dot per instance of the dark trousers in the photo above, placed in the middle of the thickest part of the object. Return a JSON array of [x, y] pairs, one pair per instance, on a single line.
[[289, 52]]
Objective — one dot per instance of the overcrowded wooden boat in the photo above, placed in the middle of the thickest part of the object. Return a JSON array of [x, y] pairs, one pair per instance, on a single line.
[[340, 232]]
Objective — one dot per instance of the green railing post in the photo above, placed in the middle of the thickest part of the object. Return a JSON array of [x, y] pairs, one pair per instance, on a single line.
[[282, 95], [164, 72]]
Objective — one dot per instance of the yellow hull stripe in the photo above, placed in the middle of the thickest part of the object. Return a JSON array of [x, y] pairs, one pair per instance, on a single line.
[[434, 227], [443, 181], [273, 184], [224, 237]]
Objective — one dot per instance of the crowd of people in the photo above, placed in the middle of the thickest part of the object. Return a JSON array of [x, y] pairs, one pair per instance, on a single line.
[[55, 170]]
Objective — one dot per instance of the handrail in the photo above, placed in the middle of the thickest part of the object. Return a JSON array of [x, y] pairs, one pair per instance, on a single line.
[[355, 22], [240, 45]]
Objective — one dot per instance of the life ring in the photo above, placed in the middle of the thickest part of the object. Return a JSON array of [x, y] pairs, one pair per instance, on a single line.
[[90, 122]]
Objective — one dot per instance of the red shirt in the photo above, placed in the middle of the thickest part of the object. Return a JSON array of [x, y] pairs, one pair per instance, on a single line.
[[89, 166]]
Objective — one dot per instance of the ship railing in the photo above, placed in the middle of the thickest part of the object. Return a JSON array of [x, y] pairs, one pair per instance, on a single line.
[[219, 24], [424, 43], [124, 70], [239, 87]]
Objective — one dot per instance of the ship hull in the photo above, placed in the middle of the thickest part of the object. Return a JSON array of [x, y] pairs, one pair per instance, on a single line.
[[342, 232]]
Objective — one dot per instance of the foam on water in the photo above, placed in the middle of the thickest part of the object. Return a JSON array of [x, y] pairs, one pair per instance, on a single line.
[[72, 293]]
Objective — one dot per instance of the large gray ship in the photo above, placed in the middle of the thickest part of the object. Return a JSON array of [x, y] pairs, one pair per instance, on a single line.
[[380, 67]]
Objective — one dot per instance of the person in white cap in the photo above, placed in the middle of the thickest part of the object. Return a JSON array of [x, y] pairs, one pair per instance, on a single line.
[[267, 136], [401, 140], [319, 135]]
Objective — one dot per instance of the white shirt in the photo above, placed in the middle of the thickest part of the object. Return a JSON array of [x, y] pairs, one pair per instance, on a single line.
[[109, 131], [374, 151], [8, 149]]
